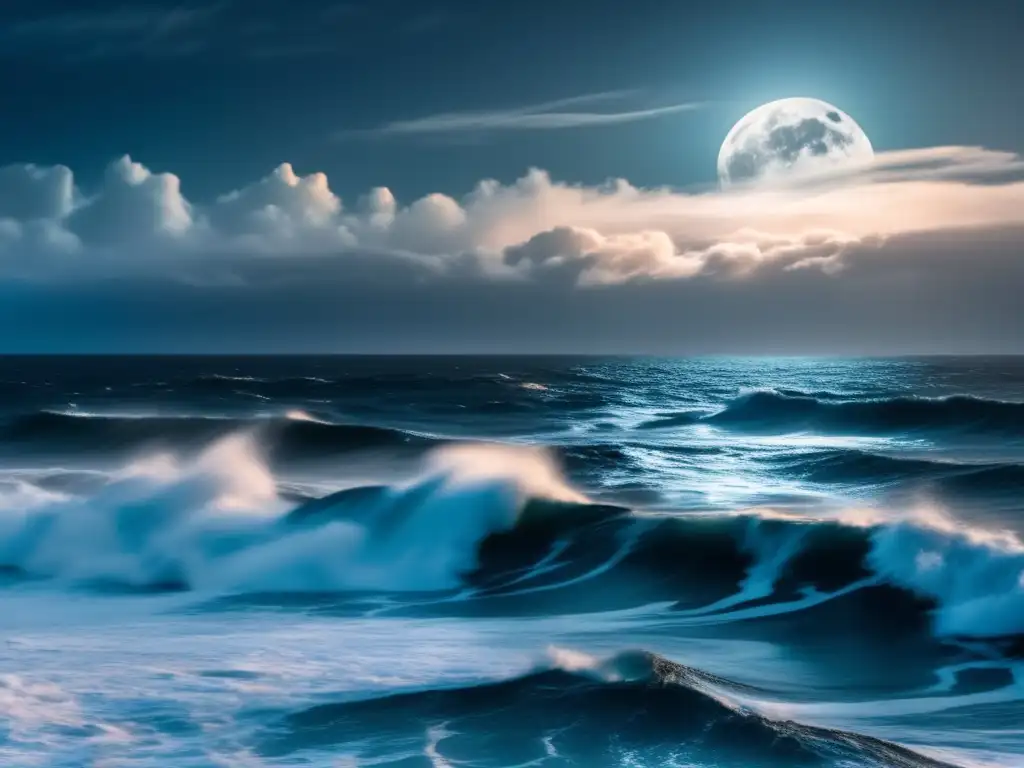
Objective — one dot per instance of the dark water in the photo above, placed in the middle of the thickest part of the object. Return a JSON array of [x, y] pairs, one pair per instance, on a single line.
[[512, 561]]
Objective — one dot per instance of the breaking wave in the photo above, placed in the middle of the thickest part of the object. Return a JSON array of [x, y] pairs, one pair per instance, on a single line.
[[843, 465], [499, 527]]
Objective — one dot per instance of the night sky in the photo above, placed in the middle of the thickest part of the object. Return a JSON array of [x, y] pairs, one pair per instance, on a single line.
[[503, 177]]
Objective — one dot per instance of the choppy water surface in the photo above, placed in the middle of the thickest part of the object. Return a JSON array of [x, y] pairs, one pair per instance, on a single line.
[[499, 562]]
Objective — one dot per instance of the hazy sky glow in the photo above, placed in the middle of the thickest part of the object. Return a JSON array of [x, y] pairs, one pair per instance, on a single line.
[[207, 238]]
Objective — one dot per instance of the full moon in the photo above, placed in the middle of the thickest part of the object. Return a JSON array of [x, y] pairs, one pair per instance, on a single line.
[[791, 138]]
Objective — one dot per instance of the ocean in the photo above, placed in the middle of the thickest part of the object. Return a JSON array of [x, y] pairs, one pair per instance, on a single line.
[[500, 562]]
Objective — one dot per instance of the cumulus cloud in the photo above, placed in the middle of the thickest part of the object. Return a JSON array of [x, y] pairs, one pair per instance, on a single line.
[[529, 229], [591, 258], [922, 240], [282, 210], [29, 192], [135, 207]]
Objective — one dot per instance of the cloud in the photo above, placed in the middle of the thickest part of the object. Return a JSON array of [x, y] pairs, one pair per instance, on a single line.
[[281, 210], [592, 259], [29, 192], [119, 21], [929, 241], [610, 233], [135, 207], [117, 31], [551, 115]]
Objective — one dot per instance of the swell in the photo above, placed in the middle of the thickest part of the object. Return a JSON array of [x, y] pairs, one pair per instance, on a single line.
[[846, 466], [636, 705], [772, 410], [295, 435], [494, 393]]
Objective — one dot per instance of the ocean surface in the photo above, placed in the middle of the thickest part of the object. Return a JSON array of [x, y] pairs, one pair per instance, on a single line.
[[509, 562]]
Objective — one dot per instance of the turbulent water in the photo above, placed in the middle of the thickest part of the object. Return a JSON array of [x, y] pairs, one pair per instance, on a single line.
[[506, 562]]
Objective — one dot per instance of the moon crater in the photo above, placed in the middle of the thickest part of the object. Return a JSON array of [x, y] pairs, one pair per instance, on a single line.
[[791, 137]]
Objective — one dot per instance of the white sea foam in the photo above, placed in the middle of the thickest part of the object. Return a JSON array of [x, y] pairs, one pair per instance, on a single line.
[[297, 414], [216, 523], [975, 575]]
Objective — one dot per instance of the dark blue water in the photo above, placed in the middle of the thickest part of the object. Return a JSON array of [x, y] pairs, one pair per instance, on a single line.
[[512, 561]]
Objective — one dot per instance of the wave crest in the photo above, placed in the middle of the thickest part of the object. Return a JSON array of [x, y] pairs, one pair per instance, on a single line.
[[216, 522], [500, 524], [296, 434], [789, 411], [634, 708]]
